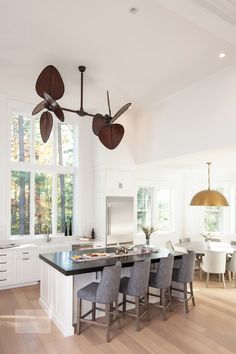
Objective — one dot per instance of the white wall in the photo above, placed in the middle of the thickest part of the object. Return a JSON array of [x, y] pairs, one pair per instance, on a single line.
[[198, 118]]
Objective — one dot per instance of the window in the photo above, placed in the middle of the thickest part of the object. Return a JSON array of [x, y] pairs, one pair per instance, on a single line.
[[42, 177], [213, 217], [144, 201], [163, 222], [154, 208]]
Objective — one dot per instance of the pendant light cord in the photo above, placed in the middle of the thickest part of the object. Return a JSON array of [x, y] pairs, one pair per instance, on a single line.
[[209, 177]]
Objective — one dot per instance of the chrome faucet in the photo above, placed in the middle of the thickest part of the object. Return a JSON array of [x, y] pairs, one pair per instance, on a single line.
[[48, 238]]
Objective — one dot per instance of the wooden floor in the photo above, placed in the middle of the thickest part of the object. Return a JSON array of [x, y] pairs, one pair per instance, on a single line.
[[210, 327]]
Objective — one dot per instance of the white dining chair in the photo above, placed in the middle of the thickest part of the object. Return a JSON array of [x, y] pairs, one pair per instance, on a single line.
[[170, 245], [231, 266], [214, 262]]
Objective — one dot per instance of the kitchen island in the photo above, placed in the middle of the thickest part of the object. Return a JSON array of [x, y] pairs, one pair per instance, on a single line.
[[61, 278]]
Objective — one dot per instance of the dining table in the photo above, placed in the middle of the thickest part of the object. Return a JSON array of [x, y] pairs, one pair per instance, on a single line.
[[200, 247]]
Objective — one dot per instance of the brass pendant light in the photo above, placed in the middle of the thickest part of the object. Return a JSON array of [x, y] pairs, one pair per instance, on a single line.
[[209, 197]]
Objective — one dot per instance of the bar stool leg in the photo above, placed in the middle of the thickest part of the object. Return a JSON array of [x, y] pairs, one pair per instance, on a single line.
[[223, 280], [107, 314], [186, 298], [191, 290], [78, 330], [137, 312], [207, 280], [147, 306], [117, 314], [170, 299], [162, 303], [124, 302], [93, 311]]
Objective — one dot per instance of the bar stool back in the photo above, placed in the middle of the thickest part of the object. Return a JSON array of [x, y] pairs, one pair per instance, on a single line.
[[162, 280], [106, 292], [184, 274], [136, 285]]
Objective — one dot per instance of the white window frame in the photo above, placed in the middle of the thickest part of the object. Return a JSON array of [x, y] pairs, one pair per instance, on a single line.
[[154, 192], [34, 167], [221, 188], [137, 210]]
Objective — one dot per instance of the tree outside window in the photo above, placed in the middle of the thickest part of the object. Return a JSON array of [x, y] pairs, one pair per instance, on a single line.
[[42, 177]]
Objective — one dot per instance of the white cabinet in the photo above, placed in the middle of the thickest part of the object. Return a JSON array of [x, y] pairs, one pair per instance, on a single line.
[[25, 265], [7, 268], [21, 265], [25, 270]]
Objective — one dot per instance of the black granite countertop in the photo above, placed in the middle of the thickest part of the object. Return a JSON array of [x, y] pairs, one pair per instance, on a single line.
[[62, 262]]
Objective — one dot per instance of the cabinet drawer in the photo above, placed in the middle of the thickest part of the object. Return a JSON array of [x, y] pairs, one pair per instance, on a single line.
[[6, 278], [25, 253], [4, 256], [7, 266]]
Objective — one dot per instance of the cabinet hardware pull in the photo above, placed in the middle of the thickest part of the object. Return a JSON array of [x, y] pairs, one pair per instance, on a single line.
[[24, 259], [3, 254], [25, 252], [3, 279], [3, 262], [1, 271]]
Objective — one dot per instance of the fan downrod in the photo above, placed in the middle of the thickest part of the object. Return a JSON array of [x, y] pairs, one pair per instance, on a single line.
[[82, 68]]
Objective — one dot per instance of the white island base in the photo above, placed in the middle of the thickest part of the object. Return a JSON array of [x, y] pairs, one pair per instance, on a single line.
[[58, 296]]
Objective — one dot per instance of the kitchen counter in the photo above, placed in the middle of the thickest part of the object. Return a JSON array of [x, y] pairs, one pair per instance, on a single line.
[[62, 262]]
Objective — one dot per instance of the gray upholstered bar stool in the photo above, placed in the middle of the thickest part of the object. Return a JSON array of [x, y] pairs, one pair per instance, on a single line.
[[106, 292], [184, 275], [137, 286], [162, 280]]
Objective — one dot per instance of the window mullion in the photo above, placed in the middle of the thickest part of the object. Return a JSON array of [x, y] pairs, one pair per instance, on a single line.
[[54, 204], [32, 202]]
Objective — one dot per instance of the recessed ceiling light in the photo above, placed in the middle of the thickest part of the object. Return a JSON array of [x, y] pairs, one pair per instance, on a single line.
[[133, 10], [222, 55]]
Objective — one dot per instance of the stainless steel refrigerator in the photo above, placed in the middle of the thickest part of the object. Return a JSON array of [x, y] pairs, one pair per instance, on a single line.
[[119, 220]]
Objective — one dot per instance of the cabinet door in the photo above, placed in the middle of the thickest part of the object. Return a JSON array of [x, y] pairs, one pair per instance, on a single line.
[[25, 270]]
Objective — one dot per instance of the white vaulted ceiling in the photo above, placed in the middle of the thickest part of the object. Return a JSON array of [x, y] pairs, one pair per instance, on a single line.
[[141, 58]]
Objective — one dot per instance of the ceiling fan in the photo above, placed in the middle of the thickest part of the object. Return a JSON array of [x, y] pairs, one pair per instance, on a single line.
[[51, 88]]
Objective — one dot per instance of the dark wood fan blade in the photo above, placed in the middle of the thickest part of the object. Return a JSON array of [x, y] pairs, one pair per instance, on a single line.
[[46, 123], [59, 113], [121, 111], [39, 107], [98, 123], [54, 106], [111, 135], [51, 102], [50, 81]]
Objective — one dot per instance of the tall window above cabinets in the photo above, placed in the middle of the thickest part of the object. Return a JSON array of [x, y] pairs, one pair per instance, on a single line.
[[154, 208], [41, 176]]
